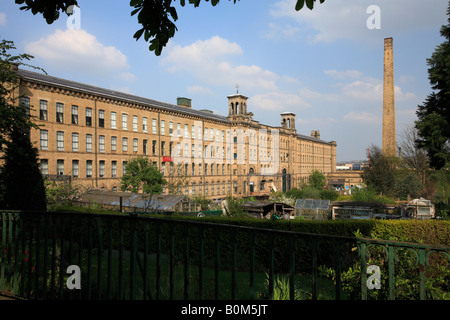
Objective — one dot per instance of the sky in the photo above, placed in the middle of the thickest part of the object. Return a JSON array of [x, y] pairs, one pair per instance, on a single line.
[[325, 65]]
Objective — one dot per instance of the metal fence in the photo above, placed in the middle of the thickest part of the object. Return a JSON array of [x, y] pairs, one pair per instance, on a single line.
[[45, 255]]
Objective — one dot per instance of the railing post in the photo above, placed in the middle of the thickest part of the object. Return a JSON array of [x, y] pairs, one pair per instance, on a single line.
[[292, 249], [200, 266], [217, 264], [314, 247], [186, 263], [391, 267], [422, 275], [337, 255], [362, 252], [252, 264]]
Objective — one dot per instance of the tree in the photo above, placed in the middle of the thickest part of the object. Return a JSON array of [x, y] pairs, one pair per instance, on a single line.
[[380, 175], [433, 124], [413, 157], [12, 113], [317, 180], [21, 182], [157, 17], [142, 175]]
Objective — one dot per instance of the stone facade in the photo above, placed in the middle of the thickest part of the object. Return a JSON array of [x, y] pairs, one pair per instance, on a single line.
[[90, 134]]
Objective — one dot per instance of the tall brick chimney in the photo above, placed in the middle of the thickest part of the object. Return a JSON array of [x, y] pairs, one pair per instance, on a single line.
[[389, 144]]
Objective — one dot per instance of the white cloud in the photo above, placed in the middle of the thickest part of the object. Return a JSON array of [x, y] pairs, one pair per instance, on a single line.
[[3, 19], [344, 75], [277, 101], [127, 76], [77, 50], [209, 61], [340, 19], [199, 90], [362, 118]]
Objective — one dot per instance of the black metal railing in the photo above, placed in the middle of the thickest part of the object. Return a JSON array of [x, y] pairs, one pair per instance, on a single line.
[[49, 255]]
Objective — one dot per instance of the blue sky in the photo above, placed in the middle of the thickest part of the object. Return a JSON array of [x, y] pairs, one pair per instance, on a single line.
[[324, 65]]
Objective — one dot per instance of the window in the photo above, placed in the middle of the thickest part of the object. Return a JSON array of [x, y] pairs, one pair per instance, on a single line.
[[101, 169], [89, 143], [88, 117], [163, 148], [163, 127], [124, 144], [206, 134], [25, 104], [199, 132], [200, 188], [212, 169], [44, 166], [163, 169], [171, 148], [154, 147], [60, 141], [124, 167], [186, 131], [59, 112], [43, 110], [144, 124], [193, 169], [154, 126], [135, 123], [206, 187], [124, 121], [193, 188], [135, 145], [60, 167], [170, 128], [75, 142], [88, 168], [101, 144], [75, 168], [144, 147], [114, 169], [44, 139], [113, 120], [199, 169], [113, 143], [74, 114], [193, 132], [101, 118]]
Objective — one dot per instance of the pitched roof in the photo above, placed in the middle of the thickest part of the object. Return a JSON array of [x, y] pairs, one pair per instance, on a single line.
[[107, 93]]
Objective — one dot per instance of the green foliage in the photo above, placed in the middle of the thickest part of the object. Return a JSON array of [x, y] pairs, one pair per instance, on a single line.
[[142, 175], [235, 207], [433, 124], [21, 183], [369, 195], [61, 194], [317, 180], [203, 202]]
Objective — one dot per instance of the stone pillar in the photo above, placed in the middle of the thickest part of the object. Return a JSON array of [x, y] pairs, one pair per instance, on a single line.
[[389, 145]]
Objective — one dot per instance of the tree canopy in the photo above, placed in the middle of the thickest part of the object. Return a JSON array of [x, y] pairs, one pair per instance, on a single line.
[[142, 175], [21, 182], [157, 17], [433, 124]]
